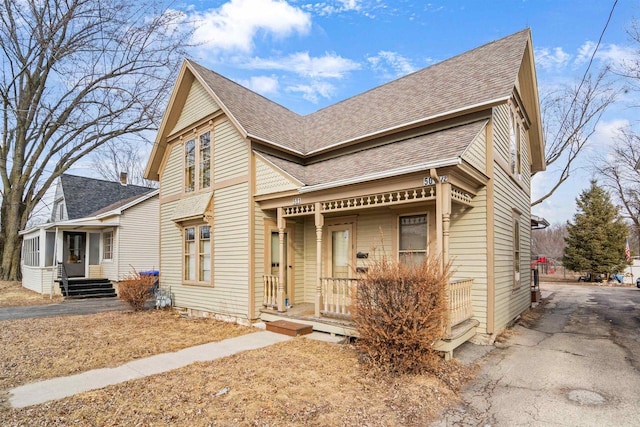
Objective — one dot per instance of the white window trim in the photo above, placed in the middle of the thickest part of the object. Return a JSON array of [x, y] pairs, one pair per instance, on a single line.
[[104, 240]]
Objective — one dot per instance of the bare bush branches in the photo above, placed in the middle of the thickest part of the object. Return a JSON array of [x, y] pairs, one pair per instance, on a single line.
[[400, 311]]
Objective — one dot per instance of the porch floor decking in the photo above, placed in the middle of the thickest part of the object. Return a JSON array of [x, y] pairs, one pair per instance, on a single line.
[[305, 313]]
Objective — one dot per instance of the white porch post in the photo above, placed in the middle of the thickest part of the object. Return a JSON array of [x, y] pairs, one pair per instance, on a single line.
[[282, 268], [319, 222]]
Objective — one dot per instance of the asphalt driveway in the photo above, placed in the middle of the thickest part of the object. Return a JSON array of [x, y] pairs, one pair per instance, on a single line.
[[577, 366], [64, 308]]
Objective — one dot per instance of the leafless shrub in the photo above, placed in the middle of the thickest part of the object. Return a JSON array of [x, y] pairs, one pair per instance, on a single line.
[[400, 312], [135, 289]]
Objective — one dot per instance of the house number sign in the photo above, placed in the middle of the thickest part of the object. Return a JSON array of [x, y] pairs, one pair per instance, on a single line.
[[430, 181], [297, 200]]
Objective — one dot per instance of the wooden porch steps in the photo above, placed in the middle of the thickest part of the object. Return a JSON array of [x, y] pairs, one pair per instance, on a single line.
[[460, 334], [291, 329]]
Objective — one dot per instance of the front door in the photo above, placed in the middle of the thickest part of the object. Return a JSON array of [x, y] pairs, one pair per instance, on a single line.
[[276, 264], [340, 250], [74, 253]]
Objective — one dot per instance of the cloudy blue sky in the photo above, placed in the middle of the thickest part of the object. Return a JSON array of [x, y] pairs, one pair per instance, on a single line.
[[307, 55]]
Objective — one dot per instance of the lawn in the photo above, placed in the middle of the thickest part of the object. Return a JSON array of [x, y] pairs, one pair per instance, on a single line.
[[295, 383], [299, 382], [12, 294]]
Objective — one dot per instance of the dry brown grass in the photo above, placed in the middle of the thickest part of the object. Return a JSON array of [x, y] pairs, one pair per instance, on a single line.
[[38, 349], [296, 383], [12, 294]]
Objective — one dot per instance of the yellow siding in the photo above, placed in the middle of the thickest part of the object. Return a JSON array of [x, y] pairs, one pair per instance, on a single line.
[[231, 153], [139, 237], [476, 153], [468, 251], [269, 180], [375, 234], [508, 198], [309, 259], [229, 293], [260, 253], [171, 180], [231, 251], [171, 254], [299, 262], [198, 105]]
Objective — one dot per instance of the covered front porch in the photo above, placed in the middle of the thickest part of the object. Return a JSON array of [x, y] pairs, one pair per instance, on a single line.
[[339, 237]]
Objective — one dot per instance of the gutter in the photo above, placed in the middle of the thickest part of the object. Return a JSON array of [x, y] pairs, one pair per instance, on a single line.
[[380, 175]]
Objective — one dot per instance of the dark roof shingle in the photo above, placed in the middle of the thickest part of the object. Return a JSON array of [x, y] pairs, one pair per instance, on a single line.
[[85, 196]]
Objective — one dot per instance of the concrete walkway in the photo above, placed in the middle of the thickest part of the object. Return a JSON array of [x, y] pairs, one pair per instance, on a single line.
[[58, 388]]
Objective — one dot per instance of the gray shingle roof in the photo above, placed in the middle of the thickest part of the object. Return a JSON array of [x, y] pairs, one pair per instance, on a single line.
[[445, 144], [478, 76], [85, 196]]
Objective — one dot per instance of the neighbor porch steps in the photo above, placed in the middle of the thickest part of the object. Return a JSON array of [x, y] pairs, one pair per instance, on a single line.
[[88, 288]]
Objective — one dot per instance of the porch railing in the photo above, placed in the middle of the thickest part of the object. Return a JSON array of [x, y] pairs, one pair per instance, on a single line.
[[336, 296], [270, 283], [460, 308], [63, 278]]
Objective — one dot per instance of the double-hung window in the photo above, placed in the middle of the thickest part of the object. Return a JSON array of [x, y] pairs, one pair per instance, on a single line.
[[516, 251], [197, 162], [412, 247], [31, 252], [107, 245], [197, 254], [515, 149]]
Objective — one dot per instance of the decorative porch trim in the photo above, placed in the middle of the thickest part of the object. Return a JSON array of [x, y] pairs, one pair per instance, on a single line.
[[387, 198]]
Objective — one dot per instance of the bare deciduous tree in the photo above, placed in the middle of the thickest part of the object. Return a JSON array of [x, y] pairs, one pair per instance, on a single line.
[[122, 155], [549, 241], [74, 74], [570, 116]]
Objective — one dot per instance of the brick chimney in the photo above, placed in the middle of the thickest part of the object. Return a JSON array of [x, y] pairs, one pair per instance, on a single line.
[[123, 178]]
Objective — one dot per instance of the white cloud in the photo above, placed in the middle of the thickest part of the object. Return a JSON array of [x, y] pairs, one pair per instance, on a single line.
[[554, 58], [235, 24], [312, 91], [606, 132], [391, 64], [333, 7], [265, 85], [328, 66]]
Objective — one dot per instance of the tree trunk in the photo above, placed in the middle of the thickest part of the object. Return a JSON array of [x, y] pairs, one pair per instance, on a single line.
[[13, 211]]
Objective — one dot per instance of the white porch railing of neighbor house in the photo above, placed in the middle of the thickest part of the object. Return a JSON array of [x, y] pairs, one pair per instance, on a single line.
[[270, 283], [336, 296], [460, 308]]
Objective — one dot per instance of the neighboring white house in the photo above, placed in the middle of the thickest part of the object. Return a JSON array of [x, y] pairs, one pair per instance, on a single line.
[[98, 230]]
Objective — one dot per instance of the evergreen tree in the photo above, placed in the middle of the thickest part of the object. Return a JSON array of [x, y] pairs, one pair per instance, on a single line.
[[596, 239]]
